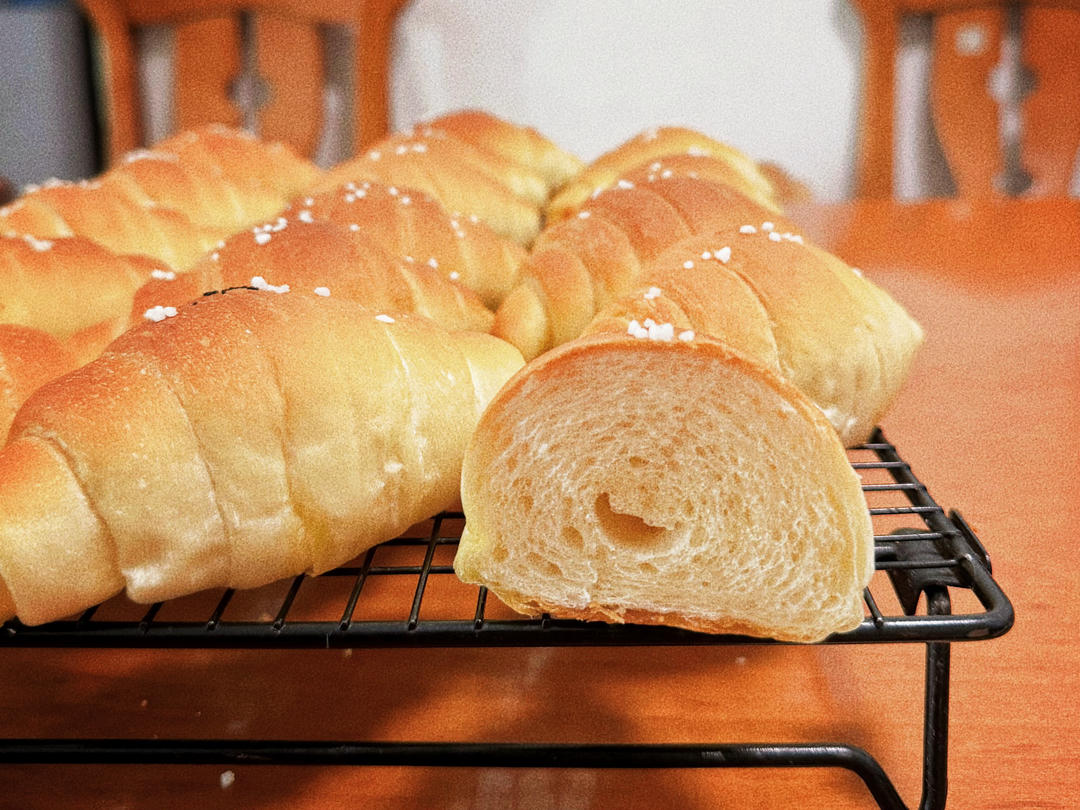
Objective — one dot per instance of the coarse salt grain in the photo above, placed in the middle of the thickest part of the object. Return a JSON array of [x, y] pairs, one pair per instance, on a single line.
[[625, 184], [227, 779], [706, 255], [454, 275], [159, 313], [39, 245], [433, 263], [323, 291], [723, 254], [305, 216], [662, 331], [584, 214], [665, 174], [260, 283], [687, 265], [767, 226], [635, 329], [653, 292], [384, 318], [163, 275], [686, 336], [262, 238], [775, 237], [747, 229]]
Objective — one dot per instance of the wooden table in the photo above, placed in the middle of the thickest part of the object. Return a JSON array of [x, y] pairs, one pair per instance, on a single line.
[[989, 421]]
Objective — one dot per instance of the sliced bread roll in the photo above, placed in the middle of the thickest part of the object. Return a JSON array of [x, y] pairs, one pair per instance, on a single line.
[[667, 481]]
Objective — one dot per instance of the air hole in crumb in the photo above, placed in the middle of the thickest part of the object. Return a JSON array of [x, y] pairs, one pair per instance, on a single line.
[[542, 566], [624, 529], [648, 569], [572, 537], [637, 462]]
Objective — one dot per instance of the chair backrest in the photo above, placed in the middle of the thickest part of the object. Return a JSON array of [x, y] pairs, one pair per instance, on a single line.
[[255, 63], [1007, 117]]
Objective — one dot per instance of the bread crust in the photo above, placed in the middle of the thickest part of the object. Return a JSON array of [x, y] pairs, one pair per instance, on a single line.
[[637, 155], [319, 255]]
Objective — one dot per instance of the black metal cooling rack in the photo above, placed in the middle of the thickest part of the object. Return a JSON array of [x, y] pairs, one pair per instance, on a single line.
[[404, 594]]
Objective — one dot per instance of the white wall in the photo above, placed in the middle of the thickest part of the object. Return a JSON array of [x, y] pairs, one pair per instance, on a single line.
[[776, 78]]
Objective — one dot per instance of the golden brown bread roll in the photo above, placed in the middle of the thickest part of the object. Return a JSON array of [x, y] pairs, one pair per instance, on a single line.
[[110, 218], [172, 202], [218, 177], [69, 287], [579, 265], [522, 145], [459, 177], [790, 305], [409, 223], [250, 437], [649, 146], [336, 260], [28, 359], [668, 481]]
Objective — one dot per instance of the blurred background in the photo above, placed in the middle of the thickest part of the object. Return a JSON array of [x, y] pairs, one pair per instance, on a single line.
[[780, 79]]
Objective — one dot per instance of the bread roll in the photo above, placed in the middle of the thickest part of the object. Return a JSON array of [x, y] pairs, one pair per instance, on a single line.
[[581, 264], [649, 146], [28, 359], [218, 177], [451, 172], [669, 481], [67, 286], [793, 307], [522, 145], [250, 437], [406, 223], [315, 255], [109, 217]]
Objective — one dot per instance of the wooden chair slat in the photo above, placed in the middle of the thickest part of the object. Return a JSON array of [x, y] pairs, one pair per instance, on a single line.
[[1050, 138], [966, 49], [208, 60], [289, 56]]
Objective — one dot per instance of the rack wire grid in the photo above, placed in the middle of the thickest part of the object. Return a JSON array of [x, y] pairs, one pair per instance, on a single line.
[[404, 593]]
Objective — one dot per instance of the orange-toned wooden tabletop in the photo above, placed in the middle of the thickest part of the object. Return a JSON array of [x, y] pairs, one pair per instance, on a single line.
[[990, 420]]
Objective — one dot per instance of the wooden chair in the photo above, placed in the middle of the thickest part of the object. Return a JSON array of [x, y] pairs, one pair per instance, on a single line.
[[966, 51], [235, 57]]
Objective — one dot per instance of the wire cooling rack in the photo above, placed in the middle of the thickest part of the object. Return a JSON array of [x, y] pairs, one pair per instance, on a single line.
[[404, 593]]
